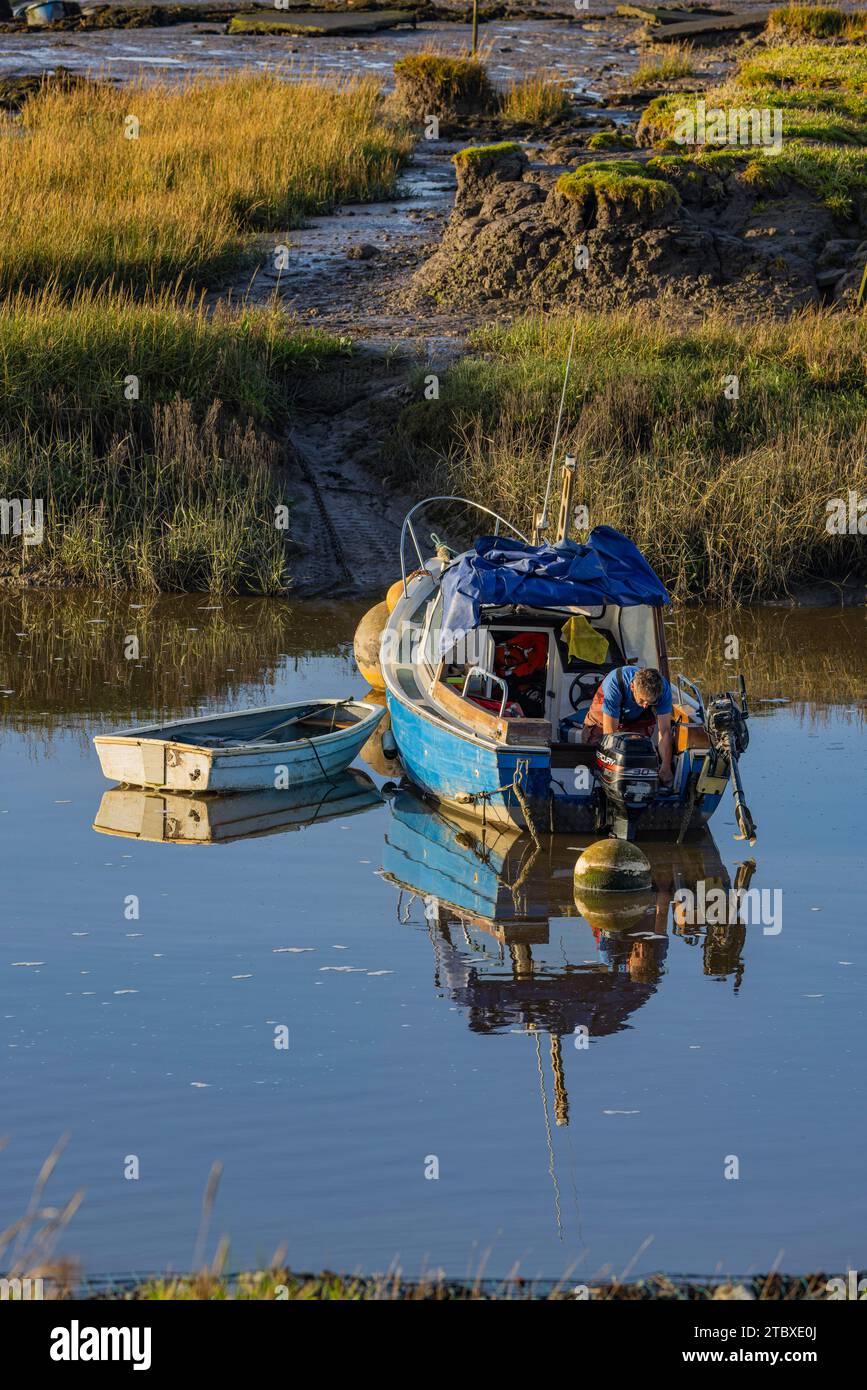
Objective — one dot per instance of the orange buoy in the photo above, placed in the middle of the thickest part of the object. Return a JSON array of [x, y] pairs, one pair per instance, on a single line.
[[368, 636], [394, 595]]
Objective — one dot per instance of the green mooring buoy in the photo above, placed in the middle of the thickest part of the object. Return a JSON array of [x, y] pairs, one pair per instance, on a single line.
[[612, 866]]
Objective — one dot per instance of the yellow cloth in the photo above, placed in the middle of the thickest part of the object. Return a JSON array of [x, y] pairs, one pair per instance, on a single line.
[[584, 642]]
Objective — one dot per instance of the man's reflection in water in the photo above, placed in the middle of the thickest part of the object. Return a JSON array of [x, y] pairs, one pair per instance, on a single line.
[[517, 988]]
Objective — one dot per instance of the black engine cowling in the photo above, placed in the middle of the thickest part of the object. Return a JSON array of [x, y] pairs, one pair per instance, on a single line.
[[628, 768]]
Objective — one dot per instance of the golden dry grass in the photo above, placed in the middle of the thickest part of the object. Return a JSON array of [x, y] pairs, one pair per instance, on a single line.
[[726, 498], [678, 60], [536, 100], [213, 161]]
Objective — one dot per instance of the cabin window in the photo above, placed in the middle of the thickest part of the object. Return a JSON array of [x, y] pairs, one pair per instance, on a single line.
[[638, 635]]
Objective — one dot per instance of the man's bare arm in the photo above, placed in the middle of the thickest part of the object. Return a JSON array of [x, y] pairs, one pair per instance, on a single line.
[[663, 724]]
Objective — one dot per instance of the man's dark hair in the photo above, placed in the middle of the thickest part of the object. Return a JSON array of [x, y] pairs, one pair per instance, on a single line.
[[648, 684]]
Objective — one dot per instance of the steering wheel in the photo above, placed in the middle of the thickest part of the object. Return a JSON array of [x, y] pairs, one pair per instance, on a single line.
[[577, 692]]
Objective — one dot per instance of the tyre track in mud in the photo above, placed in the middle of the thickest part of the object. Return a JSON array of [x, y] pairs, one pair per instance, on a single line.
[[348, 507], [347, 511]]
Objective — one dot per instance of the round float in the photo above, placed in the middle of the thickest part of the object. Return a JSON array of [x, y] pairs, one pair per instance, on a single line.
[[610, 913], [368, 636], [612, 866]]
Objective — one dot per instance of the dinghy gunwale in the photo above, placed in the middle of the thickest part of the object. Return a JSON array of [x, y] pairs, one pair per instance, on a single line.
[[132, 737]]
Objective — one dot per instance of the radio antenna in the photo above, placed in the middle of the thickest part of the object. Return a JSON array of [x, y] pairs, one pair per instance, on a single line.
[[542, 523]]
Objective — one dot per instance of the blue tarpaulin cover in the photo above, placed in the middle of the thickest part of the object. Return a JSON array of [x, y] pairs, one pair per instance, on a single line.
[[502, 571]]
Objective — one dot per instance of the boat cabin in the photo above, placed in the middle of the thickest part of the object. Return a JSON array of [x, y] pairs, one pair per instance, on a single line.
[[529, 675]]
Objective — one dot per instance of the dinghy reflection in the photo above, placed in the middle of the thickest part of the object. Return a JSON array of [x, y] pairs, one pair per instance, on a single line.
[[511, 948], [181, 819]]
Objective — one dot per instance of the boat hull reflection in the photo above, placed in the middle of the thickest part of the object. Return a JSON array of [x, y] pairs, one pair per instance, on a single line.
[[516, 949]]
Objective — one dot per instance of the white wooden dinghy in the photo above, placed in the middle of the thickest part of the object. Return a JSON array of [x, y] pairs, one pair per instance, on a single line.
[[276, 747]]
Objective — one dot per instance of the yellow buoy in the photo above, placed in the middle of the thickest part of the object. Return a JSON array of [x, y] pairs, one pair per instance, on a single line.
[[368, 636], [394, 595]]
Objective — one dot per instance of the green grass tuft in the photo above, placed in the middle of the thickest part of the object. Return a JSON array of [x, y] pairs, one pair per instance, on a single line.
[[611, 140], [477, 154], [621, 182], [815, 21]]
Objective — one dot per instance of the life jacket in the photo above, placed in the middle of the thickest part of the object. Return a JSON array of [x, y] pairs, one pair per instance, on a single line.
[[522, 655], [645, 724]]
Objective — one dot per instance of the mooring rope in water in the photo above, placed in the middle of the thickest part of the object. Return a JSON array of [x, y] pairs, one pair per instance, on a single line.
[[561, 1095], [319, 760], [523, 871], [473, 798], [521, 769], [548, 1136]]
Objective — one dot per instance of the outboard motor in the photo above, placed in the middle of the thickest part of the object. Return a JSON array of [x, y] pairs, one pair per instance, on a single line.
[[628, 771], [729, 736]]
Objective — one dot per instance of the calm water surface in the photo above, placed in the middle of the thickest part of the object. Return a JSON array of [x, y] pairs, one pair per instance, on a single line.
[[430, 986]]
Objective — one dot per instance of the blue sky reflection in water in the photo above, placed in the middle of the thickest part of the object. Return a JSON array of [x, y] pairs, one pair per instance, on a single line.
[[421, 1028]]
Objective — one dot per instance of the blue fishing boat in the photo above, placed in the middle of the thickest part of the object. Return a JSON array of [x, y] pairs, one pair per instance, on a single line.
[[476, 737]]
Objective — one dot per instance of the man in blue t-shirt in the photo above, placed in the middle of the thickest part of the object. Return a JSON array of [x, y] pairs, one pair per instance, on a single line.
[[633, 699]]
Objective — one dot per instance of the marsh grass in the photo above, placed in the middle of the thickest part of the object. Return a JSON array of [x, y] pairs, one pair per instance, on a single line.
[[27, 1246], [535, 100], [822, 94], [726, 498], [174, 490], [823, 119], [215, 161], [815, 21], [678, 60], [812, 66], [278, 1284]]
